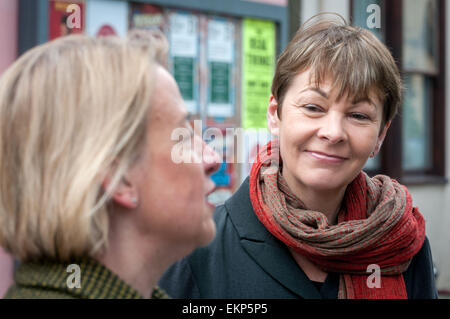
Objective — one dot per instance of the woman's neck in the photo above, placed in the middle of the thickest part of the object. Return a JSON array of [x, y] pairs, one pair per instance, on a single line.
[[138, 261], [138, 272]]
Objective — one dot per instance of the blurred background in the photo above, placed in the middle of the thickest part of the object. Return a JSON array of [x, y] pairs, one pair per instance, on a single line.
[[223, 54]]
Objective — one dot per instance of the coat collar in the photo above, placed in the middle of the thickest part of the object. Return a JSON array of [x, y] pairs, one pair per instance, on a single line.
[[97, 281], [272, 255]]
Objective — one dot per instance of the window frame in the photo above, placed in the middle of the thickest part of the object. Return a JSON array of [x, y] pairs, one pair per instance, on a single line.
[[391, 157]]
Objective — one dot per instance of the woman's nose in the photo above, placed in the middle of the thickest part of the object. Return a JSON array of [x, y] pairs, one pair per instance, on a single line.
[[332, 129]]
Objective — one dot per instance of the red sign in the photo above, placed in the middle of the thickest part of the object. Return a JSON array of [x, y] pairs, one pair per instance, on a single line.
[[65, 17]]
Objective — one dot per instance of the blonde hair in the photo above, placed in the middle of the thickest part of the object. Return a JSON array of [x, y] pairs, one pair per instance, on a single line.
[[356, 60], [71, 111]]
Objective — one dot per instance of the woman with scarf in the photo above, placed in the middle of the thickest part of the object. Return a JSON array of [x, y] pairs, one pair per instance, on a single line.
[[308, 222]]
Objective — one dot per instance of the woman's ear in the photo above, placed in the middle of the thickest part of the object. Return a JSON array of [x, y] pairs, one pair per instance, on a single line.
[[124, 194], [380, 139], [273, 122]]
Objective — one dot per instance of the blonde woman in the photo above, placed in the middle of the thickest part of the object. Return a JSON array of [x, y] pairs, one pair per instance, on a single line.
[[308, 222], [91, 202]]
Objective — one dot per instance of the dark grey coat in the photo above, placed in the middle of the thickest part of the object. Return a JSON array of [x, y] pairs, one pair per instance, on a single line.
[[246, 261]]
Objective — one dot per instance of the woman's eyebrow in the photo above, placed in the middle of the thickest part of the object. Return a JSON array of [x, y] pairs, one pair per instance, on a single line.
[[317, 90], [365, 99], [325, 95]]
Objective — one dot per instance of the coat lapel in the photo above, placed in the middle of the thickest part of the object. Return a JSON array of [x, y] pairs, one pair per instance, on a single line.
[[267, 251]]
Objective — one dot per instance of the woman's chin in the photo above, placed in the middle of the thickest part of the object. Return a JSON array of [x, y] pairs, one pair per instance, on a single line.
[[209, 232], [323, 183]]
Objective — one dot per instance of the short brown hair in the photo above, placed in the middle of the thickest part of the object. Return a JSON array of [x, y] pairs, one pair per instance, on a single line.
[[354, 58]]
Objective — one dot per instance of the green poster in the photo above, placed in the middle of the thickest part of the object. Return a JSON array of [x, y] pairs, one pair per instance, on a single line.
[[220, 57], [220, 82], [258, 37], [184, 53], [183, 71]]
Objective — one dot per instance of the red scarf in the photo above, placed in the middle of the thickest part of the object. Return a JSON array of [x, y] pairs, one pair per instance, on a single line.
[[377, 225]]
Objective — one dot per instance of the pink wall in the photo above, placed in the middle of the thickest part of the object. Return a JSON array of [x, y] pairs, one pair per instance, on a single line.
[[6, 271], [8, 52], [8, 32]]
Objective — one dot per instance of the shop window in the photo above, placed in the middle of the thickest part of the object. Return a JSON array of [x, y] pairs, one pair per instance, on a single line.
[[413, 30]]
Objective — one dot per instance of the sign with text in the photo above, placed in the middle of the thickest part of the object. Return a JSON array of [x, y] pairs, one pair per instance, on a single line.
[[220, 68], [258, 45], [184, 42], [146, 16]]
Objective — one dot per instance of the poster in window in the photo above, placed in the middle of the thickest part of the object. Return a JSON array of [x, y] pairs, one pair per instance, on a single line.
[[220, 56], [65, 17], [146, 16], [258, 42], [184, 42], [220, 137], [106, 17]]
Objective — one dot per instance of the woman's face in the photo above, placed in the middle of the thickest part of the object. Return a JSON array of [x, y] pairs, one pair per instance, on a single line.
[[172, 197], [324, 142]]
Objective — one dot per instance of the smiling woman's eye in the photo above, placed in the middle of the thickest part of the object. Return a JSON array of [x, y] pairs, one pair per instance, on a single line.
[[312, 108], [360, 116]]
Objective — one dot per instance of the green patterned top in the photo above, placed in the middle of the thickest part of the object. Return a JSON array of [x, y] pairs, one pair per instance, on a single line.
[[54, 280]]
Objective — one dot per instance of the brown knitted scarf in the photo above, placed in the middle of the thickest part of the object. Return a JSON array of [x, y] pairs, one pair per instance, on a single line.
[[377, 225]]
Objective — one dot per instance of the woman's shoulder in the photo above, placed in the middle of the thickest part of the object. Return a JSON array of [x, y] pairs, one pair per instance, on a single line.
[[83, 278], [22, 292], [419, 277]]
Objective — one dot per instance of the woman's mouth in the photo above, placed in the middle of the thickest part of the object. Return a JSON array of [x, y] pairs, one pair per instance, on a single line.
[[210, 199], [326, 158]]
